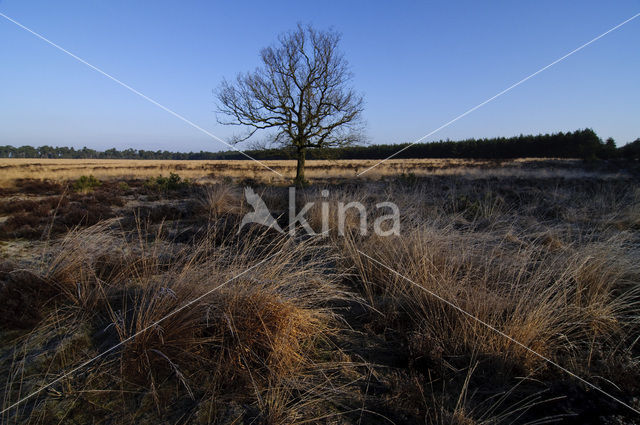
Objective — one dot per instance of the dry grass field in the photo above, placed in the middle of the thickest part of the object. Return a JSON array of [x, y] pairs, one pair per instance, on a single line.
[[317, 170], [315, 329]]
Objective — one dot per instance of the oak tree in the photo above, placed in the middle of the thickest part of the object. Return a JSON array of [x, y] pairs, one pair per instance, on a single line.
[[301, 92]]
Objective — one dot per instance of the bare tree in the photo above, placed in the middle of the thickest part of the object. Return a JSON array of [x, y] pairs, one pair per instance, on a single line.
[[301, 91]]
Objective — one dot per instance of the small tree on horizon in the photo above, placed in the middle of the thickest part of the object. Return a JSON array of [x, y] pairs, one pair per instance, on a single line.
[[610, 148], [301, 92]]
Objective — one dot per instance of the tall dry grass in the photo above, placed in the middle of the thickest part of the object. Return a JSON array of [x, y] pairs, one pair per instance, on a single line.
[[566, 287], [220, 199], [563, 303], [261, 337], [552, 265]]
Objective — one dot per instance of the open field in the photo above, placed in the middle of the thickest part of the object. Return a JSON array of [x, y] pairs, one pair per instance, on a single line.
[[312, 328], [317, 170]]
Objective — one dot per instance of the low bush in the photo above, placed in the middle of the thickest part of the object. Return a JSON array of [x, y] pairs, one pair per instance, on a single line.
[[86, 184], [167, 184], [23, 294], [37, 187], [124, 187]]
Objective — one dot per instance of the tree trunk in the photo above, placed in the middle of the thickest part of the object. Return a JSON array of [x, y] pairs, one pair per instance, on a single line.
[[300, 180]]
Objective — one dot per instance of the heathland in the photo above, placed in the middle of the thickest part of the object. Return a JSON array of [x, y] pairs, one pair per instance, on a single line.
[[505, 275]]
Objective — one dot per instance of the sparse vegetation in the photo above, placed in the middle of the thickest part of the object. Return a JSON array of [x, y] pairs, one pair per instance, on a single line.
[[315, 330]]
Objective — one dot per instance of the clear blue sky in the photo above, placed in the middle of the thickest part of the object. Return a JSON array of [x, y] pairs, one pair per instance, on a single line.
[[418, 64]]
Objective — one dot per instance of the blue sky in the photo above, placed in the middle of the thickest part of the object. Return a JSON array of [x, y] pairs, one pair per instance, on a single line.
[[418, 65]]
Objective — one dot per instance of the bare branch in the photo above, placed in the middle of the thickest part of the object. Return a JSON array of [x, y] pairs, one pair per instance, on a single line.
[[301, 92]]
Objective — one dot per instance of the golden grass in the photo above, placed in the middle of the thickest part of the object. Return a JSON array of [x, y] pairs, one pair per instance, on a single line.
[[252, 336], [219, 199], [108, 169], [556, 302]]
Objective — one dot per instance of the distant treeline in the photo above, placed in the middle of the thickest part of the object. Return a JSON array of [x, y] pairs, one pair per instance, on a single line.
[[578, 144]]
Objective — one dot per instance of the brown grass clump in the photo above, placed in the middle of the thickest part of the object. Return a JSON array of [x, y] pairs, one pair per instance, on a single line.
[[72, 265], [70, 272], [573, 304], [249, 332], [220, 199], [552, 302]]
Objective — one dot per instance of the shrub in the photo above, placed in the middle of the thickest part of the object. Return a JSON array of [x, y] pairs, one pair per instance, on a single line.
[[166, 184], [23, 293], [407, 179], [84, 214], [631, 150], [86, 184], [37, 187]]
